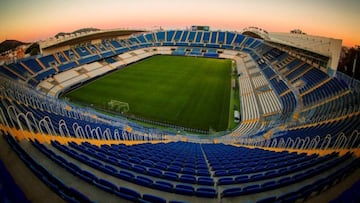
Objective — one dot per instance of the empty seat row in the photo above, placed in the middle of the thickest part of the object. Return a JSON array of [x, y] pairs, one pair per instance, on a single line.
[[129, 170], [66, 192], [124, 192]]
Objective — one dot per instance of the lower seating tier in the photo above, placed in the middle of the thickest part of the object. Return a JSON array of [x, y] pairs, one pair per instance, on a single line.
[[120, 171]]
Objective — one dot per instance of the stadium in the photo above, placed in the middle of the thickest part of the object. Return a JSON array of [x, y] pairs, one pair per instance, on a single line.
[[189, 115]]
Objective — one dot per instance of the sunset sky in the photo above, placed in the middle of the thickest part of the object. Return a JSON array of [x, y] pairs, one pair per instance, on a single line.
[[31, 20]]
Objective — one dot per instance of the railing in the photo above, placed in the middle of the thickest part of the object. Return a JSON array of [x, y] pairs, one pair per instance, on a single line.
[[353, 83], [338, 142], [45, 126], [26, 122]]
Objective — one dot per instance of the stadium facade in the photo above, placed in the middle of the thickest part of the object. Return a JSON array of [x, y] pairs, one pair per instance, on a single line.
[[298, 138]]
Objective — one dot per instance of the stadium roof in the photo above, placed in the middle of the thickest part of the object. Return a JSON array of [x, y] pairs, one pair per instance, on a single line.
[[84, 37], [324, 46]]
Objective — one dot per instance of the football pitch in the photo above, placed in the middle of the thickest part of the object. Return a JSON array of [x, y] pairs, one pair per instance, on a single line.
[[183, 91]]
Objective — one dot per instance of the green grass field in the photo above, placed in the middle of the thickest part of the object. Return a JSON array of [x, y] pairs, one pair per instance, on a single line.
[[184, 91]]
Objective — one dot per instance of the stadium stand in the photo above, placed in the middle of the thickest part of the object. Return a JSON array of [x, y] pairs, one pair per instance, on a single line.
[[11, 73], [33, 65], [82, 51], [48, 61], [198, 37], [297, 140], [191, 36]]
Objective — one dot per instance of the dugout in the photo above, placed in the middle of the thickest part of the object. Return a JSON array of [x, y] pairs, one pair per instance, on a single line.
[[237, 116]]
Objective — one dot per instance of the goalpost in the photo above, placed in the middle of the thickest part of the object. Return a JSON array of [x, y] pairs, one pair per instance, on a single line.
[[118, 106]]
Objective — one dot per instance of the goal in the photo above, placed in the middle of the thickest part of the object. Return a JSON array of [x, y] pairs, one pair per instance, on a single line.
[[118, 106]]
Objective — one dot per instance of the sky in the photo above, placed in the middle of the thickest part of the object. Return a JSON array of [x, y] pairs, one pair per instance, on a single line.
[[32, 20]]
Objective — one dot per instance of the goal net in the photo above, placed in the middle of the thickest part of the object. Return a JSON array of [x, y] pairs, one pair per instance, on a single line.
[[118, 106]]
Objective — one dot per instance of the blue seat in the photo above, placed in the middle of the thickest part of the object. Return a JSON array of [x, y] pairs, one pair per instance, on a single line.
[[190, 164], [228, 166], [128, 194], [290, 197], [124, 175], [82, 157], [176, 201], [170, 176], [242, 179], [50, 183], [271, 174], [67, 197], [235, 171], [139, 169], [191, 171], [77, 195], [285, 181], [187, 179], [174, 168], [203, 172], [226, 181], [232, 192], [144, 181], [184, 189], [270, 185], [177, 163], [206, 192], [252, 189], [166, 161], [106, 185], [220, 173], [147, 163], [88, 176], [72, 167], [283, 171], [154, 172], [161, 166], [216, 167], [205, 181], [247, 170], [164, 186], [256, 177], [153, 198], [135, 160], [112, 160], [124, 164], [110, 170]]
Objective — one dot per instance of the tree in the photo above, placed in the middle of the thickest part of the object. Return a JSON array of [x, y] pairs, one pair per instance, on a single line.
[[350, 58], [33, 49]]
